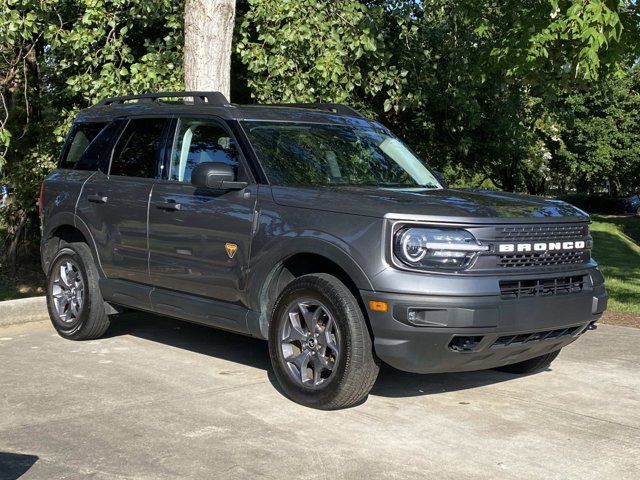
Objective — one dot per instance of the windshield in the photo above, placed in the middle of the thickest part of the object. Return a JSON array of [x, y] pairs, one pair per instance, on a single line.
[[326, 155]]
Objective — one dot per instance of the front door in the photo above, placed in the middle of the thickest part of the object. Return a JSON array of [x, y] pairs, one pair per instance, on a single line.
[[199, 240]]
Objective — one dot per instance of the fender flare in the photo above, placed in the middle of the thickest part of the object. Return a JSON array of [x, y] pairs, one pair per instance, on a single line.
[[270, 265], [72, 220]]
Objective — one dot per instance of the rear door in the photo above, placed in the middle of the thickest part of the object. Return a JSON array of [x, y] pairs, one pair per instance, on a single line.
[[115, 204], [199, 240]]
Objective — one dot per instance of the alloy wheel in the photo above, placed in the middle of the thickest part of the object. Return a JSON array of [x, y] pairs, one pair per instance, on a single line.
[[309, 343], [68, 291]]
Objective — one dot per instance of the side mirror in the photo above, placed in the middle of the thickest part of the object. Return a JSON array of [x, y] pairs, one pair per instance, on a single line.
[[215, 175], [440, 177]]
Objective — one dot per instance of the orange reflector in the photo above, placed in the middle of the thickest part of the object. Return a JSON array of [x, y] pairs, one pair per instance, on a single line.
[[378, 306]]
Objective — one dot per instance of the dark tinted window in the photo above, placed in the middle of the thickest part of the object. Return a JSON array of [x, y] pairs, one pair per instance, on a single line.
[[98, 153], [81, 135], [199, 141], [137, 152]]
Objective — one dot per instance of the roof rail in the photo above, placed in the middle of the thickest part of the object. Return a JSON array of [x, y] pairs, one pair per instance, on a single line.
[[338, 108], [212, 98]]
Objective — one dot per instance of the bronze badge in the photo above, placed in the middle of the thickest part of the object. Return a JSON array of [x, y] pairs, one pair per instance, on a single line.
[[231, 249]]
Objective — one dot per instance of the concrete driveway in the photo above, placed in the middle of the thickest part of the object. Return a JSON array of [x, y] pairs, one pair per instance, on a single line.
[[165, 399]]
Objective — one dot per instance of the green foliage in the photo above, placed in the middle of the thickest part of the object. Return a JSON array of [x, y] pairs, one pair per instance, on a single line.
[[305, 51], [57, 56], [562, 39], [480, 89], [522, 95], [601, 135]]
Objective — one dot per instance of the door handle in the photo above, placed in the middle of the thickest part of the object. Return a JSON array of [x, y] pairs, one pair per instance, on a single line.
[[170, 206], [95, 198]]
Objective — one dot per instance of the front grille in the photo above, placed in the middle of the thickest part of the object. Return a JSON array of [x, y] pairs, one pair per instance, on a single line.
[[543, 259], [545, 232], [534, 337], [511, 289]]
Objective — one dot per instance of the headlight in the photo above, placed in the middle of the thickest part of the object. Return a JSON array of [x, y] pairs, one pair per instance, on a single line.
[[437, 248]]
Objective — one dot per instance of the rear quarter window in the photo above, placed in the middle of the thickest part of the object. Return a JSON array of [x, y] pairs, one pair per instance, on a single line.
[[80, 137]]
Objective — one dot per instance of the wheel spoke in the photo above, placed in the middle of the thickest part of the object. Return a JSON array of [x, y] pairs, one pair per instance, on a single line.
[[301, 361], [329, 364], [315, 317], [63, 308], [64, 279], [318, 367], [67, 291], [74, 308], [296, 331], [307, 316], [330, 342], [329, 325]]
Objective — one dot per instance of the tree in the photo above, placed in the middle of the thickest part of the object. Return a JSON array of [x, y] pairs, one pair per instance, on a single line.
[[208, 32], [518, 94], [470, 85], [600, 132], [57, 56]]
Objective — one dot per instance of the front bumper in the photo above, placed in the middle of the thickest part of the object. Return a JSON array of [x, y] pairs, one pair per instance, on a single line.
[[499, 331]]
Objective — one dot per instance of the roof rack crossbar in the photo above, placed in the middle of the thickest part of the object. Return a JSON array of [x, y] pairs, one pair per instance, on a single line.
[[212, 98], [338, 108]]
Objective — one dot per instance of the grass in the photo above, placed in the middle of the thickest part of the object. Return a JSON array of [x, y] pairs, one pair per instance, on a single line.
[[619, 259]]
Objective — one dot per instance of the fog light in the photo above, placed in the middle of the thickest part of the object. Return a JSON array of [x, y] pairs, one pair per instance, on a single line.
[[427, 317]]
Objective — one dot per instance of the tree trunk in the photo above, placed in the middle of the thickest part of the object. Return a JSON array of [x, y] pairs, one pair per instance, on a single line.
[[208, 31]]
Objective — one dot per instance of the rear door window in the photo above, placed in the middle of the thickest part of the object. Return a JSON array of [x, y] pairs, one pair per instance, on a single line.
[[80, 137], [137, 153]]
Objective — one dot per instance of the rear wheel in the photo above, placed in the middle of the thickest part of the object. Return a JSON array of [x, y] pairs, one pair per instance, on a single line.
[[319, 344], [532, 365], [75, 304]]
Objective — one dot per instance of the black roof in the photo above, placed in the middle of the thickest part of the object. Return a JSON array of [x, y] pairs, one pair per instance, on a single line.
[[215, 104]]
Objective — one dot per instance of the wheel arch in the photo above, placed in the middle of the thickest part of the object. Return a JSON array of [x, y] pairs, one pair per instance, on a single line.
[[322, 259], [65, 227]]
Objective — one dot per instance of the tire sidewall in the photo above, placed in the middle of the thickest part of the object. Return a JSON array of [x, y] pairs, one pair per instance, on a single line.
[[326, 393], [68, 329]]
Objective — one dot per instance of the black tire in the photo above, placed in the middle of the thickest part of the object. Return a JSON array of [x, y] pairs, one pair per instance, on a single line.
[[532, 365], [356, 368], [92, 321]]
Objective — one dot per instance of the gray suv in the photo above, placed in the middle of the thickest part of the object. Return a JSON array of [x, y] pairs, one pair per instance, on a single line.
[[314, 228]]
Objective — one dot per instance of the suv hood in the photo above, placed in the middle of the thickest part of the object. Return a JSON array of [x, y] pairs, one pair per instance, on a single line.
[[480, 206]]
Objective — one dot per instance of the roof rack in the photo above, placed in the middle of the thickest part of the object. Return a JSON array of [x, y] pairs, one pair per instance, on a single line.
[[338, 108], [212, 98]]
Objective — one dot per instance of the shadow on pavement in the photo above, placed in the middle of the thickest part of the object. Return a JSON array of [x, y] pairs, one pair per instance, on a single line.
[[255, 353], [14, 465]]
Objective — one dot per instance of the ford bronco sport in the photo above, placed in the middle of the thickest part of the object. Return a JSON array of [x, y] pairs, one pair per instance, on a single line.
[[312, 227]]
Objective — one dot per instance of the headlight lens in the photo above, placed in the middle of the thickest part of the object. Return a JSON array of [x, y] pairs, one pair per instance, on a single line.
[[439, 248]]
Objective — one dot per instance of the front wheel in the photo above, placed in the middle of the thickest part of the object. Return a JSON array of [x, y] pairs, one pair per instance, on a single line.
[[532, 365], [319, 345]]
